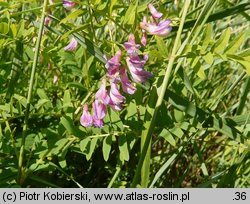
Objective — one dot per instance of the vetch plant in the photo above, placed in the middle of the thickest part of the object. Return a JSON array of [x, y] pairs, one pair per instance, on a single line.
[[143, 94]]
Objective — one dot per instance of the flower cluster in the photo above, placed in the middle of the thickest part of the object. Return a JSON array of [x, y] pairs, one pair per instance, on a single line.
[[117, 75], [156, 26]]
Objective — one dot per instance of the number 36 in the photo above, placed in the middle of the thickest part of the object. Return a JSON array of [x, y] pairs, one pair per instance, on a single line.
[[240, 196]]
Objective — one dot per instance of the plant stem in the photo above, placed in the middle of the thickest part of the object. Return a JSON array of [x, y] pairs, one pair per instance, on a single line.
[[151, 113], [21, 175], [243, 98], [117, 172]]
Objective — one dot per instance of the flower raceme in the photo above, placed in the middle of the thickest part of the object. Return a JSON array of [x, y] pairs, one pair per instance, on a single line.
[[116, 73], [159, 28]]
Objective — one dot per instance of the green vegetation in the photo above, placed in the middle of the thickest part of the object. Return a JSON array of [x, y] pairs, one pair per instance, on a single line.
[[187, 126]]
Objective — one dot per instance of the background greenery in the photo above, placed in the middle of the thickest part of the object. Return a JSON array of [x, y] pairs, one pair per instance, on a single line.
[[201, 134]]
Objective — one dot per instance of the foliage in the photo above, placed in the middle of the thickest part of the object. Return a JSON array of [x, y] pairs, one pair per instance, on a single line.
[[200, 136]]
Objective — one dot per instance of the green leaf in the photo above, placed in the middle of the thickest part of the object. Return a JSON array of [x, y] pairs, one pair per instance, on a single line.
[[68, 124], [21, 99], [129, 17], [246, 65], [165, 166], [113, 2], [168, 137], [207, 38], [13, 28], [208, 58], [123, 147], [198, 68], [222, 42], [106, 147], [41, 103], [91, 147], [131, 111], [241, 60], [59, 146], [177, 132], [83, 145], [235, 44], [73, 15], [161, 46], [203, 117], [42, 94], [143, 6], [102, 6], [116, 120], [4, 28], [67, 104], [76, 85]]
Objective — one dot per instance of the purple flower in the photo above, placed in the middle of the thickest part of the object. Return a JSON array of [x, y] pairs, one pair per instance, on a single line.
[[161, 29], [157, 28], [131, 47], [135, 66], [127, 86], [86, 119], [99, 112], [47, 20], [115, 95], [101, 94], [98, 122], [72, 45], [68, 4], [154, 12], [113, 66]]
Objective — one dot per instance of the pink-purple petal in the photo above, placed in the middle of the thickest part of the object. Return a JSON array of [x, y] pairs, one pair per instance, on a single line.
[[68, 4], [72, 45], [127, 86], [86, 119], [131, 47], [98, 122], [102, 94], [154, 12], [115, 94], [138, 74], [99, 110]]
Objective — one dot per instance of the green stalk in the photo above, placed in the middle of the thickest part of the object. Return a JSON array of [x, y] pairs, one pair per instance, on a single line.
[[117, 172], [21, 170], [243, 98], [151, 113]]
